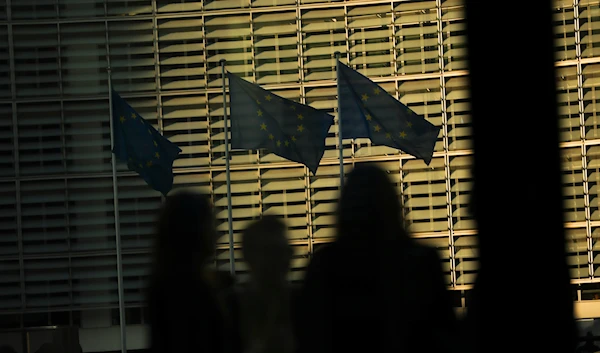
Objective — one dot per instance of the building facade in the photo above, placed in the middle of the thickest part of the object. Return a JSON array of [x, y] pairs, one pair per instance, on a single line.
[[58, 248]]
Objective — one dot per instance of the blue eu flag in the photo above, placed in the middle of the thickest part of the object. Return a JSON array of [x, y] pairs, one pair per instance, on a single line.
[[366, 110], [260, 119], [145, 150]]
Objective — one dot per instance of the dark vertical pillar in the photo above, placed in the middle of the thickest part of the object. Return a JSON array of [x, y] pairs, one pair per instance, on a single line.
[[523, 289]]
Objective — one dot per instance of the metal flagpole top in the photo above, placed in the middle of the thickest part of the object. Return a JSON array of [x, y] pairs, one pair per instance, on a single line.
[[337, 54], [222, 62]]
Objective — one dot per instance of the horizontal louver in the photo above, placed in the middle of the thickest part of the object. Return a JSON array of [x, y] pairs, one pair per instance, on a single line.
[[245, 200], [185, 123], [138, 205], [275, 47], [40, 138], [87, 136], [91, 214], [36, 52], [47, 282], [283, 193], [461, 184], [3, 9], [577, 252], [4, 61], [458, 110], [229, 38], [563, 20], [591, 90], [454, 35], [595, 232], [10, 284], [371, 39], [44, 217], [83, 59], [568, 104], [572, 178], [175, 6], [80, 8], [324, 189], [593, 178], [132, 55], [8, 219], [589, 23], [94, 280], [323, 34], [425, 195], [33, 9], [466, 259], [136, 269], [128, 7], [416, 37], [7, 161], [182, 60]]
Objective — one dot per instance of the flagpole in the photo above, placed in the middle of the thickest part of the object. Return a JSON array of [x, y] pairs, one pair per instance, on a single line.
[[227, 172], [122, 321], [340, 140]]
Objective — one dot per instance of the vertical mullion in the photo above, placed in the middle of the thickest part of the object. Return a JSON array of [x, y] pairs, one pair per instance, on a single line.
[[452, 259], [307, 190], [13, 87], [122, 319], [581, 111], [158, 87]]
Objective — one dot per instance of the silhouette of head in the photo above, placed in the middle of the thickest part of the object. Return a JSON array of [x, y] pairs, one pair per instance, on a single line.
[[185, 232], [266, 250], [369, 205]]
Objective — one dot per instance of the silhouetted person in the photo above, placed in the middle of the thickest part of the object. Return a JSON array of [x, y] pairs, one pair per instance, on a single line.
[[188, 309], [374, 289], [266, 308], [589, 346]]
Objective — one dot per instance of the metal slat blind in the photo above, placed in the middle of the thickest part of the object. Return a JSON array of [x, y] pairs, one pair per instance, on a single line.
[[276, 52], [461, 184], [4, 61], [591, 89], [416, 37], [564, 30], [36, 60], [573, 193], [182, 59], [229, 38], [589, 23], [577, 252], [83, 59], [370, 35], [458, 110], [185, 122], [8, 219], [568, 103], [7, 161], [454, 35], [323, 33], [137, 212]]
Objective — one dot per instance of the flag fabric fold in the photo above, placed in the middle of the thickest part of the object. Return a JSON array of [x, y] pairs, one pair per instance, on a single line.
[[142, 147], [368, 111], [261, 119]]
